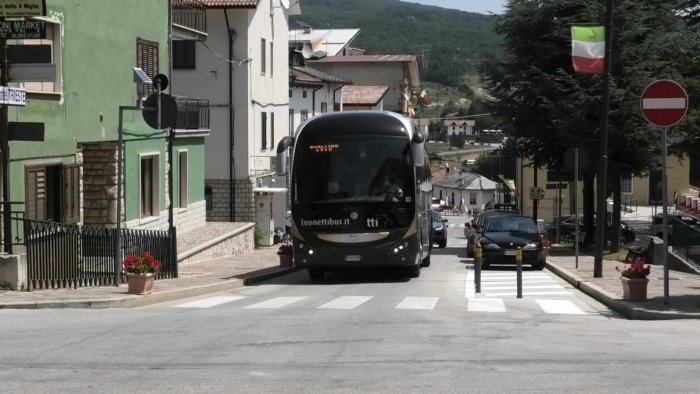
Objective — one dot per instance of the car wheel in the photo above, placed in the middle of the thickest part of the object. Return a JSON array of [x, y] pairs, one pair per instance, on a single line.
[[539, 265], [315, 273], [414, 271]]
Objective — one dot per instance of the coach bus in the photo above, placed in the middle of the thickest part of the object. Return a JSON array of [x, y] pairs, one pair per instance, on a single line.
[[360, 192]]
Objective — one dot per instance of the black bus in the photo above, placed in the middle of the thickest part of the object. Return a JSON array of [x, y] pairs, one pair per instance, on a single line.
[[360, 192]]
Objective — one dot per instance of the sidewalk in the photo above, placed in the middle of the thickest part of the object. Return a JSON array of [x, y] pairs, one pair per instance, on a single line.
[[684, 289], [195, 279], [232, 272]]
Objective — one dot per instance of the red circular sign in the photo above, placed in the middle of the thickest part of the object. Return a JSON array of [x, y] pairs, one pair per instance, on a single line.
[[664, 103]]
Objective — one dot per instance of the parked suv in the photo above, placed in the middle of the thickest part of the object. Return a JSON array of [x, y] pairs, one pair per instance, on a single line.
[[657, 225]]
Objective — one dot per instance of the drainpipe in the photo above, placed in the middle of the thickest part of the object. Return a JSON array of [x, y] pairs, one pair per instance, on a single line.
[[313, 99], [340, 87], [232, 118]]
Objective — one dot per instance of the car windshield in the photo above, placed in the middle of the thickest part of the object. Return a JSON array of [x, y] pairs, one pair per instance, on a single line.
[[437, 219], [511, 224]]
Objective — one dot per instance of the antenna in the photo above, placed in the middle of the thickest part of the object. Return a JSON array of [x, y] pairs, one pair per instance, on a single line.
[[306, 51]]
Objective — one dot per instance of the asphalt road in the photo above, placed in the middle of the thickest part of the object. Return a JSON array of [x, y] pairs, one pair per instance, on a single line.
[[364, 332]]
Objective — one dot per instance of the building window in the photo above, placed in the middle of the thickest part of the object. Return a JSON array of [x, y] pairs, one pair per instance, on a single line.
[[324, 108], [149, 182], [472, 198], [147, 60], [184, 55], [263, 126], [53, 39], [272, 58], [626, 183], [182, 178], [303, 94], [263, 51], [291, 122], [272, 130], [52, 193], [290, 93], [304, 115]]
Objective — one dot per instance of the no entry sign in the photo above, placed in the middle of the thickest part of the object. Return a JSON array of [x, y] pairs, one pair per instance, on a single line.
[[664, 103]]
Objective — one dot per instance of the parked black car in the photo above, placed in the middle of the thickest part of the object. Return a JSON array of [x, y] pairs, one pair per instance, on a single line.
[[503, 235], [567, 229], [439, 229]]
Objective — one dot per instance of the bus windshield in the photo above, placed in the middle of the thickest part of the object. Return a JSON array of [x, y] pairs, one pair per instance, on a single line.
[[342, 169]]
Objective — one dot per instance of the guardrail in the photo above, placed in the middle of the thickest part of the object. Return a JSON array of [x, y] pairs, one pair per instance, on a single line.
[[685, 240], [192, 114]]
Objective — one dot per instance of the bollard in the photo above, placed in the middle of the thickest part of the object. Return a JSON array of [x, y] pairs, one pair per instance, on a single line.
[[477, 268], [519, 270]]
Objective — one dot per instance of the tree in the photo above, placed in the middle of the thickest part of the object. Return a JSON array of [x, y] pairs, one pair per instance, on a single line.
[[550, 107]]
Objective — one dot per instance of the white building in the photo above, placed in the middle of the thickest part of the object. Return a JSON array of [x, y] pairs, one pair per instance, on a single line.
[[312, 92], [459, 127], [242, 68], [475, 190]]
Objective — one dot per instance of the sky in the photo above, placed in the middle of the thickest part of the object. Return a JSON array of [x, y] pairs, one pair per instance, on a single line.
[[480, 6]]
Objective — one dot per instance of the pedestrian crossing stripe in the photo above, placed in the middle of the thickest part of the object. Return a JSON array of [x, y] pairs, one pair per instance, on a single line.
[[478, 304], [210, 302], [498, 284]]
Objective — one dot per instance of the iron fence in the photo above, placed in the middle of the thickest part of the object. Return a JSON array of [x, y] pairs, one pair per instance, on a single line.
[[192, 114], [68, 255], [685, 240], [17, 228]]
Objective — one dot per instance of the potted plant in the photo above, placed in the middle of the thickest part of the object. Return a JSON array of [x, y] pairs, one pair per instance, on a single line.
[[285, 251], [140, 273], [634, 280]]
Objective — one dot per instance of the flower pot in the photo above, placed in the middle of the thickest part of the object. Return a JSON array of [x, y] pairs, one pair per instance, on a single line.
[[285, 260], [140, 284], [634, 289]]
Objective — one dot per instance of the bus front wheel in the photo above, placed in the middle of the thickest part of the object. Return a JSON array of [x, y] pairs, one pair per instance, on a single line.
[[315, 273]]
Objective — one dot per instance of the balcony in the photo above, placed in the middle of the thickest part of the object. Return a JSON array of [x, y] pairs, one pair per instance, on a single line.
[[189, 20], [192, 114]]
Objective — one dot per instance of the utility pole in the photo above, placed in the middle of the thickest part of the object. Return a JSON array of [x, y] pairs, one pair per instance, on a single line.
[[601, 207], [5, 146]]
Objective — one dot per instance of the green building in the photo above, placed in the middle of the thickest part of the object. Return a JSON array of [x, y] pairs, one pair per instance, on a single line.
[[71, 176]]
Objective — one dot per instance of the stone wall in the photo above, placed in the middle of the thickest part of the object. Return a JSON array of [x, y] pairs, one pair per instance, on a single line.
[[99, 183], [233, 244], [218, 207]]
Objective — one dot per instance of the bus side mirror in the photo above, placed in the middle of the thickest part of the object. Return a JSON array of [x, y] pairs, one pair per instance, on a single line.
[[418, 143], [283, 155]]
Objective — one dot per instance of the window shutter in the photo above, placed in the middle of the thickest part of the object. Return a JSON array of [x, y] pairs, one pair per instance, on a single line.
[[36, 193], [71, 194], [147, 60]]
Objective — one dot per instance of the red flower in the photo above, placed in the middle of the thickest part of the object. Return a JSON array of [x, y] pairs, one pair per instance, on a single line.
[[285, 250], [146, 264], [636, 270]]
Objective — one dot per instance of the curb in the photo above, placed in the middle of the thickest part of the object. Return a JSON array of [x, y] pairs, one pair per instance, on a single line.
[[135, 301], [616, 303]]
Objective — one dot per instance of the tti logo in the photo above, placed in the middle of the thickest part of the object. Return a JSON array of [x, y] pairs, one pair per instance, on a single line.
[[372, 222]]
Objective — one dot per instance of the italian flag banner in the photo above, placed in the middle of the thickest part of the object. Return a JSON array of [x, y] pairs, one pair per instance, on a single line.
[[588, 49]]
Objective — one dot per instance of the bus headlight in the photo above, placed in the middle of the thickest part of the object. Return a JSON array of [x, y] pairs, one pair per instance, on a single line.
[[398, 248], [530, 246]]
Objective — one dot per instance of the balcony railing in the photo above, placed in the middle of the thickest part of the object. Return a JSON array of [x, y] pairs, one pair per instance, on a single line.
[[192, 114], [191, 15]]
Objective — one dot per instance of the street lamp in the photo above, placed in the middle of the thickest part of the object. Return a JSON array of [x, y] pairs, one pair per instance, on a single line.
[[141, 80]]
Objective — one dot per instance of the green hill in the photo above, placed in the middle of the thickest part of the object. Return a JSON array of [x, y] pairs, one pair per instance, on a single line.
[[443, 39]]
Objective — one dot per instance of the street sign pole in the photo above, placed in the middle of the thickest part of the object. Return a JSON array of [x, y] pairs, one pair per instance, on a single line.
[[664, 190], [664, 103], [576, 205], [5, 146]]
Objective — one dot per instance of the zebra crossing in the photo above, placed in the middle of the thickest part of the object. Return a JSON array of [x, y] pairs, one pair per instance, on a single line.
[[352, 302], [504, 284]]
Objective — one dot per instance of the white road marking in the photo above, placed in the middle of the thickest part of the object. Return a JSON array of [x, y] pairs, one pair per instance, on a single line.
[[418, 303], [345, 302], [486, 305], [560, 307], [529, 287], [274, 303], [210, 302], [529, 293]]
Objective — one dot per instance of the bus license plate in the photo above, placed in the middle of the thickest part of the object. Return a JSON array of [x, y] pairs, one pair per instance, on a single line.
[[510, 252], [353, 257]]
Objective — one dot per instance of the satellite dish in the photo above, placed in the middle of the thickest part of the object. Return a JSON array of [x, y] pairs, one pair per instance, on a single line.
[[306, 52], [284, 4]]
